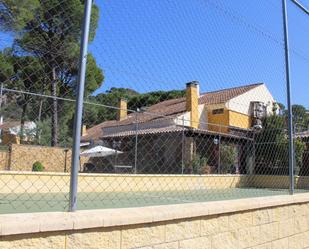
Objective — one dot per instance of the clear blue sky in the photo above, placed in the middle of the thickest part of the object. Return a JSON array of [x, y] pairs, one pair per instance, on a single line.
[[160, 45]]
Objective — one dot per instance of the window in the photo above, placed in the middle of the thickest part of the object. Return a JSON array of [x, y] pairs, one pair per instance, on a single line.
[[218, 111]]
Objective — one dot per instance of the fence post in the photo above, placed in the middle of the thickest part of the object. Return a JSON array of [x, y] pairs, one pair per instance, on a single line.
[[219, 151], [288, 88], [79, 106], [182, 145], [136, 143]]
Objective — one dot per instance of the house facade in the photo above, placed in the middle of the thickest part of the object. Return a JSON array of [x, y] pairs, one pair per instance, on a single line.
[[188, 134]]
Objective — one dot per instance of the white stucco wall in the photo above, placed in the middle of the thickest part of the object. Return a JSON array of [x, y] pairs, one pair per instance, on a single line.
[[184, 119], [242, 102]]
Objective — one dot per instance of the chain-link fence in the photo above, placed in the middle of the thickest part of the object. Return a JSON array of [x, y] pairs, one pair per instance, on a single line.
[[183, 102]]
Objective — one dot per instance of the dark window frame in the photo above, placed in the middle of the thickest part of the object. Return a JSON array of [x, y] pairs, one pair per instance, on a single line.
[[218, 111]]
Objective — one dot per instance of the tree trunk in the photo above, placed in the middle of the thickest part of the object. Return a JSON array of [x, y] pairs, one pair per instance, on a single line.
[[54, 119]]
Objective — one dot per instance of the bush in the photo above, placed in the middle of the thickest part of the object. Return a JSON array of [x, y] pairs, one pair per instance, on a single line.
[[199, 165], [37, 167], [228, 156]]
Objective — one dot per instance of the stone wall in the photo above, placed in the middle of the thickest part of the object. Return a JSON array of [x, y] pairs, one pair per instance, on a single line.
[[228, 225], [4, 160], [54, 159], [21, 157]]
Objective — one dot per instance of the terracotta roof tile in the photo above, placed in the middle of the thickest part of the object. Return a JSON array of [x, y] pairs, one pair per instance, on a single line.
[[96, 131], [171, 129], [145, 131]]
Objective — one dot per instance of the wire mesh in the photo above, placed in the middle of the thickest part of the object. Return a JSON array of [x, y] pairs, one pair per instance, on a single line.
[[185, 103]]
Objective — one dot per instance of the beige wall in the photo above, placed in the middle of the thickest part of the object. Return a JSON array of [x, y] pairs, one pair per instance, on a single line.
[[52, 182], [277, 227], [31, 182]]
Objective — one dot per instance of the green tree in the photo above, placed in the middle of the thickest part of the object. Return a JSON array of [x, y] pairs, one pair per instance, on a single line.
[[51, 32], [12, 18], [300, 118], [20, 73], [6, 67], [29, 77], [97, 114], [147, 99], [271, 147]]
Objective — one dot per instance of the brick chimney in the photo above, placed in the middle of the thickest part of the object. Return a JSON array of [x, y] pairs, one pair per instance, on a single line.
[[192, 102], [123, 109]]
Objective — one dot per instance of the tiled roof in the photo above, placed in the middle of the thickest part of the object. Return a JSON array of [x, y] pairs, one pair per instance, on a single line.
[[146, 131], [171, 129], [170, 109], [96, 131]]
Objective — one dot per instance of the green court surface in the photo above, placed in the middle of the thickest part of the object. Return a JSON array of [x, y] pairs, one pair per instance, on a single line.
[[44, 202]]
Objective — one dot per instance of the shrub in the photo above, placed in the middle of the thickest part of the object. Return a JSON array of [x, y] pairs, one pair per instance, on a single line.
[[37, 166], [199, 165], [228, 156]]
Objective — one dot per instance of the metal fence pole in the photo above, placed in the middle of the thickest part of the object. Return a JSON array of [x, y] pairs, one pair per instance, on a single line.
[[182, 145], [1, 96], [219, 156], [288, 87], [136, 143], [79, 106]]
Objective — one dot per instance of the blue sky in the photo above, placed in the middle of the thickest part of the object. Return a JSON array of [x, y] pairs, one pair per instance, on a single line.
[[160, 45]]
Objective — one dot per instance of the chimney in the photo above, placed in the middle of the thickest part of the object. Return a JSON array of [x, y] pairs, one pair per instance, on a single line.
[[192, 102], [123, 109], [84, 130]]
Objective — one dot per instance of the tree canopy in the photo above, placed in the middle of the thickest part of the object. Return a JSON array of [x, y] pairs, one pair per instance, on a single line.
[[271, 146], [97, 114], [45, 53]]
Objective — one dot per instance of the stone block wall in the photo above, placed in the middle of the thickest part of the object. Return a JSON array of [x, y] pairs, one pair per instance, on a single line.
[[21, 157], [276, 227], [54, 159], [4, 160]]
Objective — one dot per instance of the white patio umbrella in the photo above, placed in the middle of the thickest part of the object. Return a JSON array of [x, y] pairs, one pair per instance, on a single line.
[[100, 151]]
